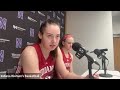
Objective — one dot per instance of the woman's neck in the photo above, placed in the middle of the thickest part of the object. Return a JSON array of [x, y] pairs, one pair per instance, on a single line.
[[44, 51], [65, 50]]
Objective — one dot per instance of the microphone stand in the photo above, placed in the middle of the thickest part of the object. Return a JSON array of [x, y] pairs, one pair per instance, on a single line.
[[90, 62], [104, 68], [103, 61], [102, 64]]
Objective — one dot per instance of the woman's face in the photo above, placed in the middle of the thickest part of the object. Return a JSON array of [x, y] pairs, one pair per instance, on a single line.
[[68, 43], [51, 37]]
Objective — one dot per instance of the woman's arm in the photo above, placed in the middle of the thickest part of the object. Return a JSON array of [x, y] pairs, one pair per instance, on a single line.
[[29, 61], [71, 64]]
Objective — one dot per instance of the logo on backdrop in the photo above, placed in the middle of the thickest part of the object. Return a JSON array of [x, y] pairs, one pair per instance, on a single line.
[[31, 19], [20, 14], [61, 27], [59, 12], [3, 40], [58, 18], [48, 17], [41, 13], [33, 11], [31, 32], [62, 21], [62, 14], [18, 28], [28, 43], [15, 55], [18, 42], [3, 22], [1, 55], [41, 22], [53, 14]]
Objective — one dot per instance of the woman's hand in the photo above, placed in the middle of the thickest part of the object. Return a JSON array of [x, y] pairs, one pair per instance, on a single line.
[[95, 76]]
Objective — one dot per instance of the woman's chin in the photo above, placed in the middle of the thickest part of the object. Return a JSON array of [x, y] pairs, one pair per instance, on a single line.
[[52, 49]]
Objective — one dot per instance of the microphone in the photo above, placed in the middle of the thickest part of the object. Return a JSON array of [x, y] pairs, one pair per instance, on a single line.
[[76, 46], [102, 50], [80, 52], [99, 52]]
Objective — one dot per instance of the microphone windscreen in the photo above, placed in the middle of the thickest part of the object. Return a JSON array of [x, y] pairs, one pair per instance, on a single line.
[[76, 46], [97, 52]]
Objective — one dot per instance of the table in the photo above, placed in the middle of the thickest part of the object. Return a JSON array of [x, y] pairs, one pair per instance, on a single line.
[[115, 74]]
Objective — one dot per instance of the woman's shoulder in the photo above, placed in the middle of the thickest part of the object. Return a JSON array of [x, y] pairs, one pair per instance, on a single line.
[[28, 50], [29, 54]]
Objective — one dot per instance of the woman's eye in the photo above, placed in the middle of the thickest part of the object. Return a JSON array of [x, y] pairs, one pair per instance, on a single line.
[[58, 36], [49, 35]]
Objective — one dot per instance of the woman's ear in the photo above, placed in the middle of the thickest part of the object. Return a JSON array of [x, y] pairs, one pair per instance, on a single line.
[[40, 35], [63, 43]]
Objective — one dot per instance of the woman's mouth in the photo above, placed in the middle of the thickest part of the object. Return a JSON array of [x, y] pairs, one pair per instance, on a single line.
[[52, 46]]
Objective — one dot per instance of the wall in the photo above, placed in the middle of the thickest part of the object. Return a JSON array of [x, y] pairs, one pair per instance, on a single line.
[[116, 24], [92, 29], [20, 28]]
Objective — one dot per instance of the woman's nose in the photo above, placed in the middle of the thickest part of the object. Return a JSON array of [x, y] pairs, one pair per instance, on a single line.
[[54, 39]]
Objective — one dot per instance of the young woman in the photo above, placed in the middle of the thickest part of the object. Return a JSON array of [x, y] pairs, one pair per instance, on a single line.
[[66, 47], [39, 58]]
